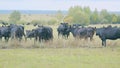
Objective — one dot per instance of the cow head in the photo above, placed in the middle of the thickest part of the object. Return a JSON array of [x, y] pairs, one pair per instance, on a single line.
[[99, 30]]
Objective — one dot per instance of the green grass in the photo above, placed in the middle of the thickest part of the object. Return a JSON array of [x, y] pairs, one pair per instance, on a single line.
[[60, 58]]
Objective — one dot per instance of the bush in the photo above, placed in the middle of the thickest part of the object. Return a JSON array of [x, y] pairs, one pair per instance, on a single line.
[[38, 22], [14, 16], [52, 22], [21, 22]]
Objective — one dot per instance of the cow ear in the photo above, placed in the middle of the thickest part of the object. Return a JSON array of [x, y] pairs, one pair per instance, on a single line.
[[67, 23], [95, 27], [61, 23]]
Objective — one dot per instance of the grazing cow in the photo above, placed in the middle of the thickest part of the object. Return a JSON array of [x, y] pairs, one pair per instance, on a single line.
[[109, 32], [5, 32], [30, 34], [79, 33], [91, 32], [64, 30], [43, 33], [17, 31], [83, 32]]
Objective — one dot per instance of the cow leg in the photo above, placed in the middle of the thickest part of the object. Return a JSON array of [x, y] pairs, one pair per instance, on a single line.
[[20, 39], [51, 38], [0, 38], [25, 36], [67, 36], [104, 43], [36, 38], [5, 39], [63, 36], [86, 38], [91, 38], [26, 39], [58, 34], [40, 39]]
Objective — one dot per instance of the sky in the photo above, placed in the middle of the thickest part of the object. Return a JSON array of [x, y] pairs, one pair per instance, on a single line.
[[110, 5]]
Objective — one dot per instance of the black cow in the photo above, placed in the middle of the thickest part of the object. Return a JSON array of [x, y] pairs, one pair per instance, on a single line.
[[17, 31], [91, 32], [30, 34], [109, 32], [43, 33], [83, 32], [79, 32], [5, 32], [64, 30]]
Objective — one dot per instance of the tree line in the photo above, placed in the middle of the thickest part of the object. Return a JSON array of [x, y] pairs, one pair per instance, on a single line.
[[85, 16], [76, 14]]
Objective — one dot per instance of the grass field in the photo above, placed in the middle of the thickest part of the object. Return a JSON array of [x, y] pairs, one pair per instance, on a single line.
[[59, 53], [60, 58], [29, 18]]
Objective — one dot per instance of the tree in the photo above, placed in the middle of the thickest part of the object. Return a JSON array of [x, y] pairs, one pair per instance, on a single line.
[[118, 19], [14, 17], [105, 16], [68, 19], [94, 18], [87, 10], [74, 9], [77, 15], [114, 18]]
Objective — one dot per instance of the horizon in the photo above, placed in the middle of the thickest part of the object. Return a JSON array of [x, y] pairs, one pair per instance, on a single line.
[[43, 11], [63, 5]]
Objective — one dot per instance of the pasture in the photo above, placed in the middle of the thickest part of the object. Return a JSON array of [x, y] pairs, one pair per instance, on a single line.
[[59, 53], [60, 58]]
